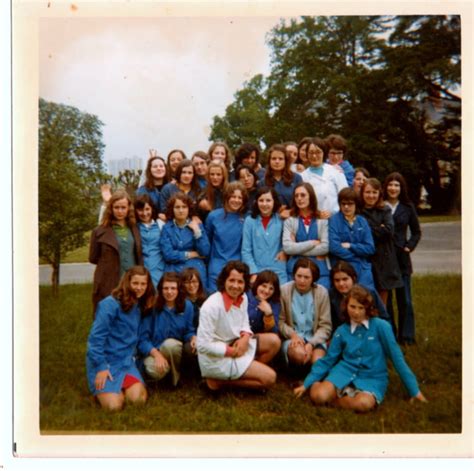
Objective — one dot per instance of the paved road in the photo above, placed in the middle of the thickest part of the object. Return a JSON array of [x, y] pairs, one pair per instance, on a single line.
[[439, 251]]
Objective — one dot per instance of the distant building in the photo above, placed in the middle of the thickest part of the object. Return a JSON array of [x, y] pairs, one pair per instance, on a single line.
[[114, 167]]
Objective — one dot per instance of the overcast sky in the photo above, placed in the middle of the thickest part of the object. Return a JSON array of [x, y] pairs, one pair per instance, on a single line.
[[153, 82]]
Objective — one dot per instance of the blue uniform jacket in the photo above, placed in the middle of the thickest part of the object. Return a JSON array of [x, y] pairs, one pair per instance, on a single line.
[[362, 246], [166, 324], [256, 316], [349, 171], [360, 358], [168, 191], [152, 256], [154, 195], [285, 193], [175, 241], [112, 344], [260, 246], [224, 231]]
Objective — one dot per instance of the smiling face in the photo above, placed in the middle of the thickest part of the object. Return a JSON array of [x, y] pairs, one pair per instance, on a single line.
[[139, 284], [315, 155], [219, 153], [277, 161], [302, 153], [265, 291], [342, 282], [303, 280], [356, 311], [265, 204], [302, 198], [145, 213], [174, 160], [234, 284], [180, 211], [370, 196], [187, 175], [192, 286], [250, 160], [246, 178], [393, 190], [170, 292], [234, 203], [120, 210], [200, 166], [158, 169]]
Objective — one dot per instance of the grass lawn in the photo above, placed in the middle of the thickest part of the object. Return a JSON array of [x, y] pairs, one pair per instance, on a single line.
[[66, 405], [443, 218]]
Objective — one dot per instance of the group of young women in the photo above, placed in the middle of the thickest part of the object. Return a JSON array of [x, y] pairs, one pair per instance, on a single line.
[[192, 217]]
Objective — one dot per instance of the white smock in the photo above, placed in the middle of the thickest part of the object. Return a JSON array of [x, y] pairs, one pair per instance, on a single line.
[[217, 329]]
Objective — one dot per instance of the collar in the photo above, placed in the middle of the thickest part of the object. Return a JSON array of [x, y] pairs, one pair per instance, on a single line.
[[354, 326], [184, 225], [229, 302], [306, 219]]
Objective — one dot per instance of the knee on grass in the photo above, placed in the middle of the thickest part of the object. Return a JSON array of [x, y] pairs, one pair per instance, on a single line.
[[136, 394], [364, 402], [322, 393], [111, 402]]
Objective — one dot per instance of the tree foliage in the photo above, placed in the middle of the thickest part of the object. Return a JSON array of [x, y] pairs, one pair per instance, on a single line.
[[69, 175], [386, 83]]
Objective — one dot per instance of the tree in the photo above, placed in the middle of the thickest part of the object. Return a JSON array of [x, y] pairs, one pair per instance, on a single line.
[[69, 176], [128, 180]]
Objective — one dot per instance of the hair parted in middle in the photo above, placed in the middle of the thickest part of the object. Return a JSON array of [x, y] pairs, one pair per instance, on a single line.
[[140, 202], [287, 174], [187, 275], [313, 201], [229, 191], [376, 185], [108, 217], [239, 267], [179, 196], [307, 263], [195, 188], [268, 276], [262, 191], [341, 266], [124, 294], [149, 180], [179, 304], [397, 177]]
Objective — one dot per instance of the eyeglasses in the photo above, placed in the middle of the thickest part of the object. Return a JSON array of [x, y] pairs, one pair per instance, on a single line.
[[315, 152], [348, 203], [191, 282], [336, 152]]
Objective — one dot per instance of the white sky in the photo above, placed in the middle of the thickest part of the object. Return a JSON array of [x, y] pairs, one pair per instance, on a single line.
[[153, 82]]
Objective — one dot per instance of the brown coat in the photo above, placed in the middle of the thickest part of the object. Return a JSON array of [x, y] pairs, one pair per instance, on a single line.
[[104, 252]]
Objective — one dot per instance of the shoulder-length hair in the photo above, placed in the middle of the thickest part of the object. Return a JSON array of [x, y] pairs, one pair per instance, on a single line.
[[187, 275], [124, 294], [108, 217], [313, 200], [179, 196], [195, 188], [239, 267], [376, 185], [262, 191], [341, 266], [171, 277], [228, 155], [183, 155], [362, 296], [140, 202], [210, 190], [287, 175], [244, 151], [337, 142], [268, 276], [229, 191], [241, 167], [397, 177], [149, 182], [301, 144]]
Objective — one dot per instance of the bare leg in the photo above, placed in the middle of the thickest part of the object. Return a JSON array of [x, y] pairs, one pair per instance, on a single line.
[[361, 402], [297, 355], [384, 295], [317, 354], [257, 376], [268, 346], [136, 394], [323, 393], [111, 401]]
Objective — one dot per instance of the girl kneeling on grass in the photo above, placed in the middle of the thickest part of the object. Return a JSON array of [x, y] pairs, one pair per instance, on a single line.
[[111, 371], [168, 332], [353, 374]]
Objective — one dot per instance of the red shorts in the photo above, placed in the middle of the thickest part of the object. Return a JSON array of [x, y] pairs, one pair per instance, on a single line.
[[128, 381]]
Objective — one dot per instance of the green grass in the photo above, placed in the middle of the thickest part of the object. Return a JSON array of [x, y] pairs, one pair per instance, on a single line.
[[79, 255], [66, 404], [442, 218]]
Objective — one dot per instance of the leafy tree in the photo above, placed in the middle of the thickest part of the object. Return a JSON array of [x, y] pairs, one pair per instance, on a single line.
[[70, 172], [128, 179], [386, 83]]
